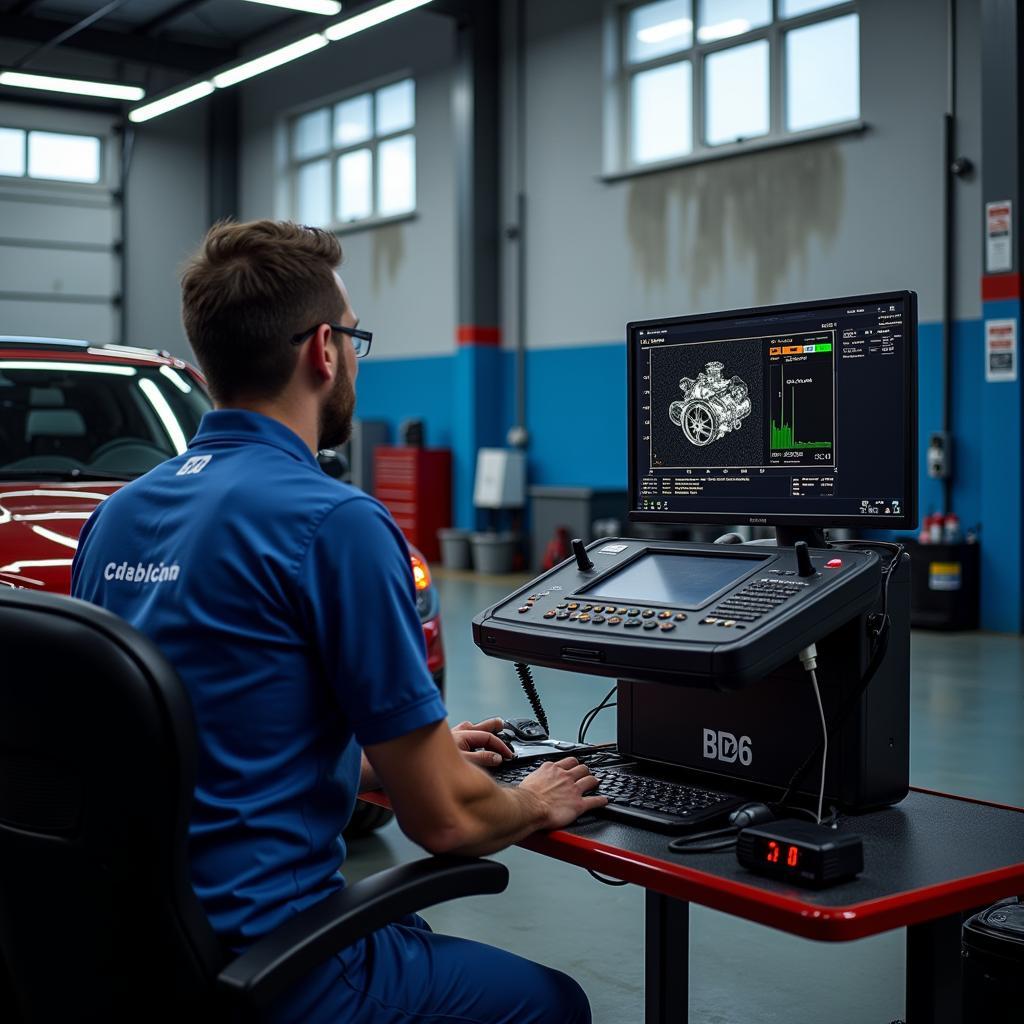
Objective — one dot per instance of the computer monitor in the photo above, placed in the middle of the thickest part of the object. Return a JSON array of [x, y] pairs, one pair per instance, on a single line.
[[802, 415]]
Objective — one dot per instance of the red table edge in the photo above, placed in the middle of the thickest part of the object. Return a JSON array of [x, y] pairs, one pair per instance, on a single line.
[[787, 913]]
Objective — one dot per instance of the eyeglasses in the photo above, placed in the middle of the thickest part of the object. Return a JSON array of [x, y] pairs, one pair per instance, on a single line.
[[361, 340]]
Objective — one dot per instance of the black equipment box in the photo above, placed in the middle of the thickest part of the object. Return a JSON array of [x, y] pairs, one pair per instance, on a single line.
[[760, 736]]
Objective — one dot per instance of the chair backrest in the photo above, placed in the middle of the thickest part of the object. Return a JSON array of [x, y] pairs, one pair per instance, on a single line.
[[98, 920]]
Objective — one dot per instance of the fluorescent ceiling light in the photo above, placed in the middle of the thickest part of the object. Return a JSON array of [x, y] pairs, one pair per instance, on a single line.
[[361, 22], [249, 69], [77, 86], [665, 31], [309, 6], [270, 60], [723, 30], [168, 103], [47, 364], [163, 410]]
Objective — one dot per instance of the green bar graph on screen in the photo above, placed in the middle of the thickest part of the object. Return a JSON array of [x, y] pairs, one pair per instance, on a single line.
[[783, 435]]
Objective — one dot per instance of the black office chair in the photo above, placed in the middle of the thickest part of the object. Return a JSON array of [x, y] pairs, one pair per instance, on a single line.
[[98, 921]]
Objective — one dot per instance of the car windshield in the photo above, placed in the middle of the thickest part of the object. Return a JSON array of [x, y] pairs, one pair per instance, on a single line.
[[68, 419]]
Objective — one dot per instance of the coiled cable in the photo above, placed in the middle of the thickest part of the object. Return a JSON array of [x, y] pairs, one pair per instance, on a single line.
[[530, 689]]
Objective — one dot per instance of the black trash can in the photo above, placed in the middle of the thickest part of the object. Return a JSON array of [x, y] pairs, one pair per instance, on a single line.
[[992, 945], [945, 584]]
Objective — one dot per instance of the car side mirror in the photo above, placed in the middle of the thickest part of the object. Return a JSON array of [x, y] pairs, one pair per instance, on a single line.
[[333, 463]]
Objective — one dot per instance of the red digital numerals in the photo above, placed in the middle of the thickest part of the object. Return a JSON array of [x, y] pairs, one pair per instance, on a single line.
[[774, 853]]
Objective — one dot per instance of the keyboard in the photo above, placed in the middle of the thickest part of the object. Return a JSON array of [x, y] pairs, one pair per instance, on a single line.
[[638, 797]]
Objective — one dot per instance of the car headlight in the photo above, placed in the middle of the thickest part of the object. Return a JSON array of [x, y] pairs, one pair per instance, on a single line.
[[427, 602]]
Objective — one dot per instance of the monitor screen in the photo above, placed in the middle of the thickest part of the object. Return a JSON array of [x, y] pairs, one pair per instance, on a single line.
[[662, 577], [802, 414]]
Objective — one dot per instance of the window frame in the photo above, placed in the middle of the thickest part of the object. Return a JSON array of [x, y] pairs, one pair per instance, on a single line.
[[334, 152], [619, 162], [27, 180]]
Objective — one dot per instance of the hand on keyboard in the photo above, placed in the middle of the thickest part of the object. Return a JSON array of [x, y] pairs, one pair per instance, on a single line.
[[562, 787], [634, 798]]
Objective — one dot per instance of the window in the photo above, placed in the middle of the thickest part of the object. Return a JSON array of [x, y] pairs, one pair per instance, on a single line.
[[68, 417], [52, 156], [354, 160], [697, 75]]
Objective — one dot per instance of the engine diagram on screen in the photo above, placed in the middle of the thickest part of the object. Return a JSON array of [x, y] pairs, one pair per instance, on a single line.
[[711, 406]]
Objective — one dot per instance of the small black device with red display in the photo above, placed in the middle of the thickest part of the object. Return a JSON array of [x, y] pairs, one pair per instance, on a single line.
[[800, 852]]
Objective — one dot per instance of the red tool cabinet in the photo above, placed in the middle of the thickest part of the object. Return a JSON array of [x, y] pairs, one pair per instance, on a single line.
[[416, 486]]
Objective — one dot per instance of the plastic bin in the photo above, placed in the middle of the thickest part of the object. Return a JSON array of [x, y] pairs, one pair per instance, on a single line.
[[945, 585], [455, 549], [494, 553], [992, 946]]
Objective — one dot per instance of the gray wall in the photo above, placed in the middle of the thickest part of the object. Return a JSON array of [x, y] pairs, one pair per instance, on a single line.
[[166, 201], [166, 215], [856, 213], [401, 276]]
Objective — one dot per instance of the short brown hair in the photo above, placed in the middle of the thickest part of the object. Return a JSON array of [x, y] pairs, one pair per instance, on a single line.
[[247, 291]]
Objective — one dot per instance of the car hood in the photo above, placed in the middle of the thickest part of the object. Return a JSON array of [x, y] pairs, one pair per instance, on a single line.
[[39, 528]]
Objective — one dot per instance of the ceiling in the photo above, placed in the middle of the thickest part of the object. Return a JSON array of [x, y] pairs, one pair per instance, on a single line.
[[193, 35], [167, 41]]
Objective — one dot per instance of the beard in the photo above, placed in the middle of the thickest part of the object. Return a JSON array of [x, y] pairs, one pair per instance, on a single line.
[[336, 414]]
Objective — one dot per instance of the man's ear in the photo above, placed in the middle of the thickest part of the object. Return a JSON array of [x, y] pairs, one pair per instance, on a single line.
[[322, 355]]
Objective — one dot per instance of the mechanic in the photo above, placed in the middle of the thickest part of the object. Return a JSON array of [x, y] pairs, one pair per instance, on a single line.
[[286, 603]]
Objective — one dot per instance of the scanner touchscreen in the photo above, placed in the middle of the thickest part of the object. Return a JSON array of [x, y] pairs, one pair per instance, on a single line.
[[671, 578]]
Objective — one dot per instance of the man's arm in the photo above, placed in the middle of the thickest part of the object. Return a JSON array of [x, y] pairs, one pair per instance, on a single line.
[[477, 744], [448, 805]]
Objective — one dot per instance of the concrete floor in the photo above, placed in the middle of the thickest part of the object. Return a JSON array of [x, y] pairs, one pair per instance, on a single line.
[[967, 729]]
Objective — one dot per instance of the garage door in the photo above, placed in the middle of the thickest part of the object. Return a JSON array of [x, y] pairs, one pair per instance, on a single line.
[[60, 224]]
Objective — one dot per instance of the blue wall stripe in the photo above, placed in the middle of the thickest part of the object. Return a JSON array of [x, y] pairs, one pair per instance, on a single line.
[[576, 416], [999, 424], [401, 389]]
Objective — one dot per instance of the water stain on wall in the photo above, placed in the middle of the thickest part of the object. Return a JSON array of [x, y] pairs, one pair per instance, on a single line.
[[388, 253], [766, 207]]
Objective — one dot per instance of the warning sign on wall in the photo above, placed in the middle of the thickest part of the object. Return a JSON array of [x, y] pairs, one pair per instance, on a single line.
[[1000, 350], [998, 236]]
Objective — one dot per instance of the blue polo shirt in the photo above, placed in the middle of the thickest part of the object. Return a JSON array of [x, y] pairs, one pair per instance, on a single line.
[[285, 601]]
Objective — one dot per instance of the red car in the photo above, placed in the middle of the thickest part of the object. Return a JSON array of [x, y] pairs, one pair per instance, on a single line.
[[77, 421]]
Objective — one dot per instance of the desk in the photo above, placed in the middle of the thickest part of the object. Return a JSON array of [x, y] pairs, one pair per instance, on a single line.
[[926, 862]]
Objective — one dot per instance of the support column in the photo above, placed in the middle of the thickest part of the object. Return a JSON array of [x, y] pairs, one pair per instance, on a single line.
[[222, 155], [1002, 480], [478, 382]]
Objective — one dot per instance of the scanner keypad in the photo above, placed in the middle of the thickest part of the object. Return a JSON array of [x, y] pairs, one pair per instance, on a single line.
[[737, 610], [754, 601]]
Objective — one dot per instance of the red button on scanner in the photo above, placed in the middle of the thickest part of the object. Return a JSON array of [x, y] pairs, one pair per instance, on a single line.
[[835, 563]]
